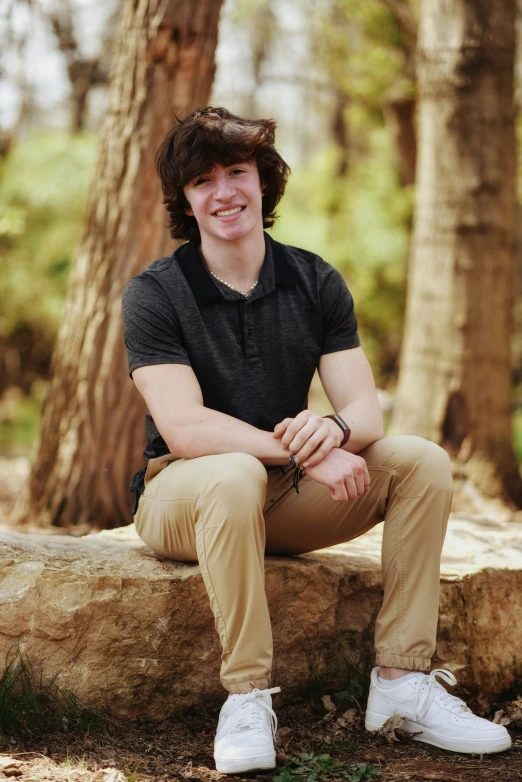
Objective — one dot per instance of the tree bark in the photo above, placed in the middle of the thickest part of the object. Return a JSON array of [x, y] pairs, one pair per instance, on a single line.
[[454, 384], [92, 431], [400, 102]]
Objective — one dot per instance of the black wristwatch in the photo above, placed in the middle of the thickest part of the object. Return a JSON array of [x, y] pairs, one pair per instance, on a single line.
[[344, 426]]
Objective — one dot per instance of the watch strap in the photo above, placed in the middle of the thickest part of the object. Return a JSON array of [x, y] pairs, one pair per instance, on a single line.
[[343, 426]]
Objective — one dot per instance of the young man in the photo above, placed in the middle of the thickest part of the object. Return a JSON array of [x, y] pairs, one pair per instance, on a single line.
[[223, 338]]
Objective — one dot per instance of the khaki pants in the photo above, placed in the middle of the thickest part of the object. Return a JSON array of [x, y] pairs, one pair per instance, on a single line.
[[227, 511]]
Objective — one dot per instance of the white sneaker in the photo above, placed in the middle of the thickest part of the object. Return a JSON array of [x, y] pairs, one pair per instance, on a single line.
[[246, 731], [433, 714]]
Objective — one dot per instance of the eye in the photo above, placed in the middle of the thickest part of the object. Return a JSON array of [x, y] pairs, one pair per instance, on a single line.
[[200, 181], [238, 171]]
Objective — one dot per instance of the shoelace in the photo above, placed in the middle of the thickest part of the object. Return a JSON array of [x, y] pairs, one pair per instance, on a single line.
[[428, 686], [250, 716]]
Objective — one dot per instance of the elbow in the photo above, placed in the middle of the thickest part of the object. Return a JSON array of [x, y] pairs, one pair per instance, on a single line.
[[178, 444], [180, 435]]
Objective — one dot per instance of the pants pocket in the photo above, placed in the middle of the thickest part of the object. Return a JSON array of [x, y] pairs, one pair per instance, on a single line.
[[154, 467]]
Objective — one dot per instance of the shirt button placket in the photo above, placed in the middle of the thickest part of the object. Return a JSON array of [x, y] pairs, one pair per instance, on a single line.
[[250, 340]]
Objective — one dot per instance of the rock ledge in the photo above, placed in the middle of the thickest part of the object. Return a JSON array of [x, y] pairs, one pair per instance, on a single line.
[[134, 634]]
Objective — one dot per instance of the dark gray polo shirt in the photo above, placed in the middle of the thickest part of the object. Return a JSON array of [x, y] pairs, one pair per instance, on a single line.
[[254, 357]]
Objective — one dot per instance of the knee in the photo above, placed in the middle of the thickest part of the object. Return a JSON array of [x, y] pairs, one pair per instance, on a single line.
[[426, 458], [237, 474]]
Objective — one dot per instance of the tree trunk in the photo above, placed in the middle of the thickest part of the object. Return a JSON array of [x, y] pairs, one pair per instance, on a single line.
[[92, 430], [454, 384], [400, 102]]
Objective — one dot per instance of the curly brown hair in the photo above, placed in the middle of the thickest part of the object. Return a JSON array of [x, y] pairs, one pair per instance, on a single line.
[[210, 137]]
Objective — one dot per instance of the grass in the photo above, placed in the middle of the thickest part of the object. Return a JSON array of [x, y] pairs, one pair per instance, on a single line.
[[337, 745], [133, 774], [308, 767], [31, 706]]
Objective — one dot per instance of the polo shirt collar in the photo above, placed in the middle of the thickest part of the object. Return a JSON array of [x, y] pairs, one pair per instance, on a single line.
[[202, 286]]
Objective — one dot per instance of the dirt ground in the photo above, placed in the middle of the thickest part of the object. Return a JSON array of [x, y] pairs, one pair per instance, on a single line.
[[182, 750]]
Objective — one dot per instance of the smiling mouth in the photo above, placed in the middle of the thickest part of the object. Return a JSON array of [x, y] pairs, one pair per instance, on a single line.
[[229, 212]]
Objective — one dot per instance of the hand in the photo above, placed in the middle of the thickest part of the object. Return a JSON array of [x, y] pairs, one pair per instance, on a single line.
[[345, 474], [309, 437]]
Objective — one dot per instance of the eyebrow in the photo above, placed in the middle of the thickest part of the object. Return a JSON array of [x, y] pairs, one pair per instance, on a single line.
[[207, 173]]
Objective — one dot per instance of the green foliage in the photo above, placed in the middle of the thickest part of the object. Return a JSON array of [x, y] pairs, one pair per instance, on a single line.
[[19, 416], [353, 691], [359, 224], [323, 659], [31, 707], [43, 188], [358, 44], [343, 745], [320, 768]]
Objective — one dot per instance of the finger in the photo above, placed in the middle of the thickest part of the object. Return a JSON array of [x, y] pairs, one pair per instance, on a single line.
[[320, 453], [359, 482], [308, 445], [295, 426], [281, 427], [351, 489], [365, 473], [314, 424], [338, 492]]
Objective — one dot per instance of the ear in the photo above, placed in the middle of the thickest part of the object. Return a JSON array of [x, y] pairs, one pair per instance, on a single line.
[[189, 212]]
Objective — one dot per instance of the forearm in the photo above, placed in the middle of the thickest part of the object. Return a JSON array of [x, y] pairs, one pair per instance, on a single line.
[[201, 431], [365, 419]]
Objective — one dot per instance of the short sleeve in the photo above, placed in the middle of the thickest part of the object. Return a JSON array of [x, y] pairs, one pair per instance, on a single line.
[[150, 326], [339, 321]]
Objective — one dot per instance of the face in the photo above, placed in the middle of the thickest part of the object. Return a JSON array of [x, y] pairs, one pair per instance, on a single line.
[[226, 201]]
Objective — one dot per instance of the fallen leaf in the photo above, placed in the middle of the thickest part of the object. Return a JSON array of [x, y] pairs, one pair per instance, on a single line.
[[283, 733], [328, 704], [283, 738], [513, 713], [347, 719], [390, 726]]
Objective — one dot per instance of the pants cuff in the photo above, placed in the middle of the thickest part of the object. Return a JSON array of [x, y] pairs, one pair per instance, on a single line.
[[406, 662], [245, 686]]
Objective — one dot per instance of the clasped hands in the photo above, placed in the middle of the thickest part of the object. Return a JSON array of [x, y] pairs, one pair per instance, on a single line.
[[315, 441]]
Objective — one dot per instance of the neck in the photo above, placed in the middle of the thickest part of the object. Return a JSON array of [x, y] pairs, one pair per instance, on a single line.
[[238, 262]]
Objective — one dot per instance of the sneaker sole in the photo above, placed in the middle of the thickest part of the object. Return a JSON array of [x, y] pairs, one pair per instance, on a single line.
[[232, 766], [374, 722]]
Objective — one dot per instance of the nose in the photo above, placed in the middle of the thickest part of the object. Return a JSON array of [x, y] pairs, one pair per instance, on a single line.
[[224, 188]]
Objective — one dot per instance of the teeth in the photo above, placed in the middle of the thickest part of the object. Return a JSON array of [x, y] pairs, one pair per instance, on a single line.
[[229, 212]]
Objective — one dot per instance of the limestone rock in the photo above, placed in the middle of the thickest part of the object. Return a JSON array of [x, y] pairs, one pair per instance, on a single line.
[[134, 634]]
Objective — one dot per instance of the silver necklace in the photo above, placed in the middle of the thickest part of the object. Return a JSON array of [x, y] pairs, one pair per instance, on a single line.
[[244, 293]]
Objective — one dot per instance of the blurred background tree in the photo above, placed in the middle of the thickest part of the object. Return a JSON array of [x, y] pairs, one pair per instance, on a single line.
[[339, 78], [91, 429], [455, 378]]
